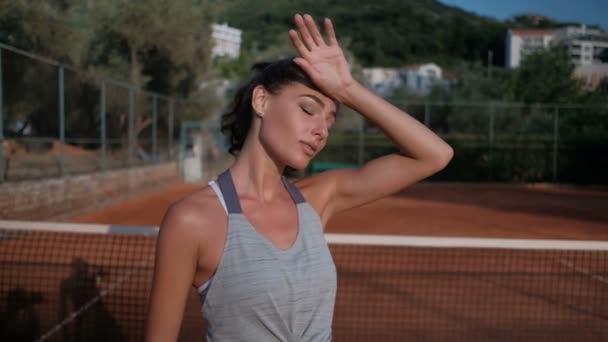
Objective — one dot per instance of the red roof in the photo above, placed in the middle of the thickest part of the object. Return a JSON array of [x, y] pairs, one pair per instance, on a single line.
[[531, 32]]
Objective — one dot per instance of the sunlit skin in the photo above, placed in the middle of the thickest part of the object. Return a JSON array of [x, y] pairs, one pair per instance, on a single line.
[[289, 128], [293, 125]]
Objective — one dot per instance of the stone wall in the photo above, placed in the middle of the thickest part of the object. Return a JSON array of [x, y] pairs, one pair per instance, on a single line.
[[49, 199]]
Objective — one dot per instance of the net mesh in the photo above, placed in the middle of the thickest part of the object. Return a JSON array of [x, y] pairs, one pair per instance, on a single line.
[[88, 282]]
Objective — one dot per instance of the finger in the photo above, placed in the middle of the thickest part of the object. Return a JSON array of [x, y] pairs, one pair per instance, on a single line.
[[303, 30], [314, 31], [298, 44], [331, 33], [307, 67]]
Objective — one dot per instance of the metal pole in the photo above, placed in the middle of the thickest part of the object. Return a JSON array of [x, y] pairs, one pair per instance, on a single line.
[[182, 150], [491, 142], [171, 116], [102, 113], [361, 144], [61, 120], [131, 125], [555, 141], [154, 117], [490, 53], [2, 163]]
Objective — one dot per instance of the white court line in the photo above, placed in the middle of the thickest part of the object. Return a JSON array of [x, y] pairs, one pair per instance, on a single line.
[[455, 242], [352, 239], [55, 226], [69, 227]]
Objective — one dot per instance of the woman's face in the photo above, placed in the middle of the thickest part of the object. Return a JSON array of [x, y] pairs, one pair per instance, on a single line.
[[295, 123]]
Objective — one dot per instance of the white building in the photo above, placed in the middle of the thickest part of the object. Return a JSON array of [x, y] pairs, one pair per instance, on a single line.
[[585, 48], [383, 81], [226, 40], [418, 78], [421, 78], [584, 45], [521, 43]]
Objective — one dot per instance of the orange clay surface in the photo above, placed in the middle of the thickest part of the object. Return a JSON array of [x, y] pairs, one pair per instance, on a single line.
[[392, 294], [432, 209]]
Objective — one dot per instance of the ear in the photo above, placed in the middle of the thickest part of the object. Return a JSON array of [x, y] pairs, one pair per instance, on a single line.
[[259, 100]]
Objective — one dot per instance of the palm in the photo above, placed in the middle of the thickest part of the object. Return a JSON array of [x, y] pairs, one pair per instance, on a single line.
[[324, 62]]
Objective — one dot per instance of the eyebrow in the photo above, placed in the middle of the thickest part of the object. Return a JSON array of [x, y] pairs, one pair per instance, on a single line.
[[318, 100]]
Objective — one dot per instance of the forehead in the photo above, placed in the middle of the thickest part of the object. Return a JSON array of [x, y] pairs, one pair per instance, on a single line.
[[300, 90]]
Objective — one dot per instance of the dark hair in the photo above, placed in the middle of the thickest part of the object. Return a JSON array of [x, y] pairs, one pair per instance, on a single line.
[[273, 76]]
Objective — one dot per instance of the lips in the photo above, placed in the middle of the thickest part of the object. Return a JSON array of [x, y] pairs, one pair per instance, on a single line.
[[309, 148]]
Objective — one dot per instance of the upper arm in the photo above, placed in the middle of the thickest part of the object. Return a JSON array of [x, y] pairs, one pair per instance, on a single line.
[[343, 189], [175, 264]]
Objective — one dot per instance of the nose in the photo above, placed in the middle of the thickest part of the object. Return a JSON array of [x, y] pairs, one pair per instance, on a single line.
[[321, 129]]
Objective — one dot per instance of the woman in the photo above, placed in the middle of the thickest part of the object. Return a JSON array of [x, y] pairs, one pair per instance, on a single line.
[[252, 243]]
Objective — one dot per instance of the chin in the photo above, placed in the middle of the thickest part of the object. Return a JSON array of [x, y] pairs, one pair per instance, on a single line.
[[299, 166], [299, 163]]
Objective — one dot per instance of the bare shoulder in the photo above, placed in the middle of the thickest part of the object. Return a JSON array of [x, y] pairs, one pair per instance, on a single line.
[[194, 215]]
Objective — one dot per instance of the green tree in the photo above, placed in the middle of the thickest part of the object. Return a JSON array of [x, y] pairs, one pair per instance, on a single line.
[[161, 45], [544, 76]]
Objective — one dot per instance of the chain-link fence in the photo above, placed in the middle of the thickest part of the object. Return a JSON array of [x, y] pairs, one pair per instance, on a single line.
[[495, 142], [56, 120]]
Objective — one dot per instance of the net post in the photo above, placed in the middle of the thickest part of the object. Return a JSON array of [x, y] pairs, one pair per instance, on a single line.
[[102, 114], [555, 141], [2, 163], [61, 98]]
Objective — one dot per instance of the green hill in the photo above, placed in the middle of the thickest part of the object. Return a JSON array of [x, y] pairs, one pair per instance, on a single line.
[[382, 32]]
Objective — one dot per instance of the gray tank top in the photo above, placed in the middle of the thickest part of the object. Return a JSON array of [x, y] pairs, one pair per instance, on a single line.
[[262, 293]]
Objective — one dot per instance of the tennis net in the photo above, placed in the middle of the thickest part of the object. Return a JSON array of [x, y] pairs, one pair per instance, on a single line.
[[61, 281]]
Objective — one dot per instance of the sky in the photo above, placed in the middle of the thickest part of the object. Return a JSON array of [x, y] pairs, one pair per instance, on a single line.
[[584, 11]]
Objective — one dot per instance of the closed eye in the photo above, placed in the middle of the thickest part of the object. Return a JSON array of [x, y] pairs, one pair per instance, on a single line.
[[305, 110]]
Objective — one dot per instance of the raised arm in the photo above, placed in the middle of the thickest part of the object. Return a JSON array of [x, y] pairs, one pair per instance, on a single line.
[[175, 265], [422, 153]]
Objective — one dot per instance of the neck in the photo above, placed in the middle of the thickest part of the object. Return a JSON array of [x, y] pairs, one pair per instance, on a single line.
[[255, 174]]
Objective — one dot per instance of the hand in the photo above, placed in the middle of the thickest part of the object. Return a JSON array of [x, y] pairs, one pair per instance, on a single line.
[[324, 63]]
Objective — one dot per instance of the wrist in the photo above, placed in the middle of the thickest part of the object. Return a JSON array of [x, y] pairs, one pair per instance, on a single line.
[[349, 92]]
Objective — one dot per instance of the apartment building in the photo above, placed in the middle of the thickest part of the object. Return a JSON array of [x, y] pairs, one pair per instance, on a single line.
[[584, 45], [226, 40]]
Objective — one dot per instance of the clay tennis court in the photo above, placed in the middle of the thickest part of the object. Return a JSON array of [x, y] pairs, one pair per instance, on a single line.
[[435, 209], [416, 293], [431, 294]]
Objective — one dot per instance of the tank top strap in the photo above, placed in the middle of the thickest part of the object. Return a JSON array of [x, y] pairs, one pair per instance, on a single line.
[[231, 197], [294, 192]]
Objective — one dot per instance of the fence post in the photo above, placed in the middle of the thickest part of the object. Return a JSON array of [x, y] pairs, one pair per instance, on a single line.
[[61, 96], [102, 114], [555, 141], [2, 163], [182, 150], [154, 116], [427, 114], [170, 124], [361, 144], [130, 133], [491, 142]]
